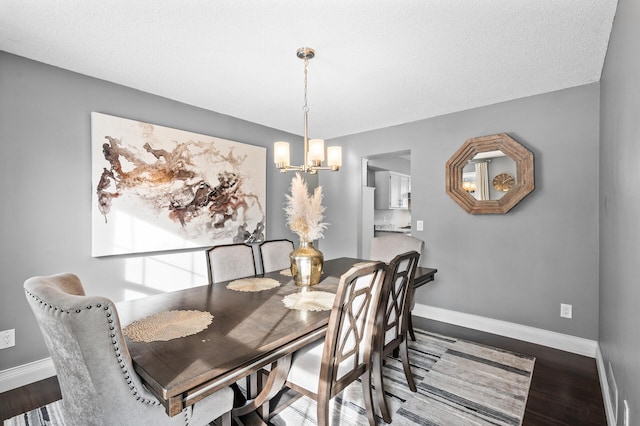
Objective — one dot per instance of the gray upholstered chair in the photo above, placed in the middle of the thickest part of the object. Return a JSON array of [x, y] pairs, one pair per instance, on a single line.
[[322, 369], [95, 371], [274, 255], [387, 247], [229, 262], [393, 321]]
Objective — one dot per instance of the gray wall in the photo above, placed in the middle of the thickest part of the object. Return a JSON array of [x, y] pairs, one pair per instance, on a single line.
[[516, 267], [620, 206], [45, 181]]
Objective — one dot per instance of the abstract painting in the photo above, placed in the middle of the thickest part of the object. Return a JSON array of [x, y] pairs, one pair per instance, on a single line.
[[157, 189]]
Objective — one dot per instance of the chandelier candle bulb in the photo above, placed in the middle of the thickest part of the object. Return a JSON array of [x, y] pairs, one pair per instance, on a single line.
[[334, 157], [281, 154], [316, 152]]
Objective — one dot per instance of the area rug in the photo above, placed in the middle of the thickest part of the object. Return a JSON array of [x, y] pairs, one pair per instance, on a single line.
[[459, 383]]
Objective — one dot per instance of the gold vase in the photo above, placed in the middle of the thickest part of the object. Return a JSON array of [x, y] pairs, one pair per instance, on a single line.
[[306, 264]]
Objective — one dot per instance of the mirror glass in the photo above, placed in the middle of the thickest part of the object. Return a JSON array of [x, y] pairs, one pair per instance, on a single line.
[[489, 175]]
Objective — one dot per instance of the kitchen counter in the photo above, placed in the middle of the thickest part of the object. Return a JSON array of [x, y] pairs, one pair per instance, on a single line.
[[392, 228]]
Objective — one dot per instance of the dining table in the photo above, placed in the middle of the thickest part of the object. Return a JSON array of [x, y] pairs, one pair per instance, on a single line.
[[249, 330]]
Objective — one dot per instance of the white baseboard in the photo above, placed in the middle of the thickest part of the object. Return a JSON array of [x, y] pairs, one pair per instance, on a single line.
[[604, 386], [565, 342], [25, 374]]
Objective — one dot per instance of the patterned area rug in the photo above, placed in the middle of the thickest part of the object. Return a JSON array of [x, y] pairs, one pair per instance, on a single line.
[[459, 383]]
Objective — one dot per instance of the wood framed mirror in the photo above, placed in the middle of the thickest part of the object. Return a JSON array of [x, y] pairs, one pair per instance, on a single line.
[[490, 174]]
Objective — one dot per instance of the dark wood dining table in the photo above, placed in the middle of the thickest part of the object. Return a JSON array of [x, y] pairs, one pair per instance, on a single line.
[[249, 331]]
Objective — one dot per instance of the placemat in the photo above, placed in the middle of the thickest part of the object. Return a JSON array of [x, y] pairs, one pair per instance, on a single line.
[[286, 272], [253, 284], [309, 301], [362, 263], [167, 325]]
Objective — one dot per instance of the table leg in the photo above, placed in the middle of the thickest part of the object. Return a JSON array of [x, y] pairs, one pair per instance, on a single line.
[[252, 385], [273, 385]]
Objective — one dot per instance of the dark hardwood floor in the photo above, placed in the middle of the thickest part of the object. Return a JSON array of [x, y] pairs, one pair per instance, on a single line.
[[565, 389]]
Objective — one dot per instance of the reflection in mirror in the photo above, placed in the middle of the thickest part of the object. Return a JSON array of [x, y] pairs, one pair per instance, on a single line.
[[490, 174]]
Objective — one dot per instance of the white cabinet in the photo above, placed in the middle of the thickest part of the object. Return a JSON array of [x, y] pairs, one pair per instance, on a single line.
[[393, 190]]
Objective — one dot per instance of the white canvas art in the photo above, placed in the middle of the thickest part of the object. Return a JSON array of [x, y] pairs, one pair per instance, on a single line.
[[156, 188]]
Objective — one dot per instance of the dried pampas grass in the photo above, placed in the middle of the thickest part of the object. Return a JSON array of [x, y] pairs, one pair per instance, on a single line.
[[305, 212]]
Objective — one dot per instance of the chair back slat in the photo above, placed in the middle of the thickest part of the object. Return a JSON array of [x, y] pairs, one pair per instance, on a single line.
[[393, 322], [349, 340], [398, 296]]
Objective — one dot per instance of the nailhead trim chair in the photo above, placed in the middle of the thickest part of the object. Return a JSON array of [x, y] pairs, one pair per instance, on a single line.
[[95, 371]]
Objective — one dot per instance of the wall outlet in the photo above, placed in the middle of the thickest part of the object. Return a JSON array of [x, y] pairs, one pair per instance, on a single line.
[[419, 225], [566, 310], [7, 338], [626, 414]]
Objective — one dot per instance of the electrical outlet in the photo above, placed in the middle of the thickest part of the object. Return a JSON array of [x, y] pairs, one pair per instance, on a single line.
[[7, 338], [419, 225], [626, 414], [565, 310]]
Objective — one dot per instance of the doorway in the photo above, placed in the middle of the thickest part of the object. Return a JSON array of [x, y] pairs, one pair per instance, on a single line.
[[385, 198]]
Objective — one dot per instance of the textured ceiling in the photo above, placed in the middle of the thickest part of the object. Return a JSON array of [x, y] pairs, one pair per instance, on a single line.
[[378, 63]]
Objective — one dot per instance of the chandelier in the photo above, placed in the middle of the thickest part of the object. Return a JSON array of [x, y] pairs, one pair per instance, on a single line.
[[314, 148]]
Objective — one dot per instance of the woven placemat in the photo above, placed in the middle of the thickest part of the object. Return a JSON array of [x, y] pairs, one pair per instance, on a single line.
[[168, 325], [253, 284], [310, 301], [362, 263], [286, 273]]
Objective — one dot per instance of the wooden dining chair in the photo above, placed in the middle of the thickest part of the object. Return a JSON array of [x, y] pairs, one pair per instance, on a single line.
[[387, 247], [229, 262], [322, 369], [392, 323], [95, 371], [274, 255]]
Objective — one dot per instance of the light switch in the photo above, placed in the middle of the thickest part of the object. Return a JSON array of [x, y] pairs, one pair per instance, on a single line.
[[419, 225]]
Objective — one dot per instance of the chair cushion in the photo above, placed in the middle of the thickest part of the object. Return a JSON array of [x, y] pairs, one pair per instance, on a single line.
[[306, 363], [387, 247], [305, 366]]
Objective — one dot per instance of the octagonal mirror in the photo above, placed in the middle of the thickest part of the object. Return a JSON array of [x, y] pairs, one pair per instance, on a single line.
[[490, 174]]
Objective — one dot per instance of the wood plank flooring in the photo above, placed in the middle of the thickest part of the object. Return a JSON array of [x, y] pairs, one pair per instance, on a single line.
[[565, 388]]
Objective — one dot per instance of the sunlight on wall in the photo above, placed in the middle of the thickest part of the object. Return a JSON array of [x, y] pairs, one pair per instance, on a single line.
[[131, 294], [166, 272], [161, 273], [130, 232]]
